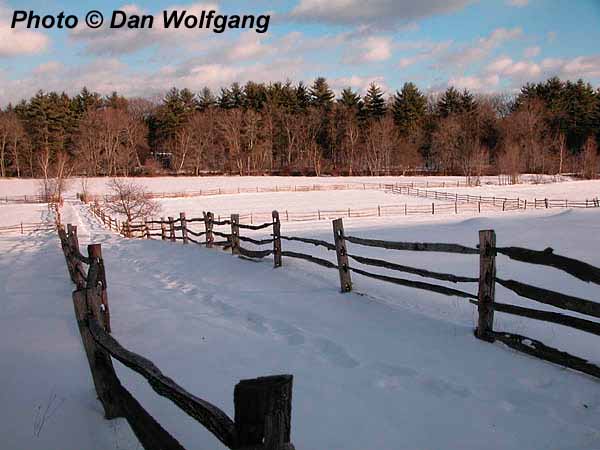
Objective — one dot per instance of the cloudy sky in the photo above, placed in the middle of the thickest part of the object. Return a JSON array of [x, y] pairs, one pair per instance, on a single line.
[[484, 45]]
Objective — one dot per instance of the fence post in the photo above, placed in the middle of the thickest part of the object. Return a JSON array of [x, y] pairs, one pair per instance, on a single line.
[[263, 413], [95, 253], [546, 202], [146, 229], [235, 234], [342, 255], [171, 229], [86, 303], [276, 240], [163, 229], [208, 225], [183, 222], [487, 284]]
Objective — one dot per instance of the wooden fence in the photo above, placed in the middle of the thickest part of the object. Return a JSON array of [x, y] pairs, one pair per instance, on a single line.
[[505, 203], [484, 298], [262, 405], [286, 188], [23, 199], [26, 227]]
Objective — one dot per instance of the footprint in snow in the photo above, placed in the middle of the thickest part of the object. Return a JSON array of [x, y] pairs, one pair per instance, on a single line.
[[335, 354]]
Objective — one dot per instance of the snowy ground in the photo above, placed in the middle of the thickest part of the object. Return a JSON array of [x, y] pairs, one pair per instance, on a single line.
[[384, 367], [193, 184]]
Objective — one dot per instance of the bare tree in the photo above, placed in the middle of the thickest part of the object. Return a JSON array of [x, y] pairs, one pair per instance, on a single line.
[[590, 159], [130, 200]]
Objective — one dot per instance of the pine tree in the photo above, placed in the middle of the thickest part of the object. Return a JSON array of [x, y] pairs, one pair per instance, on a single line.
[[236, 96], [467, 101], [255, 95], [374, 102], [206, 99], [349, 98], [450, 103], [321, 95], [409, 108], [302, 97]]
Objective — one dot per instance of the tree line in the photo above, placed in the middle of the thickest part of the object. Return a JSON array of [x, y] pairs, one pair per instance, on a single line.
[[285, 128]]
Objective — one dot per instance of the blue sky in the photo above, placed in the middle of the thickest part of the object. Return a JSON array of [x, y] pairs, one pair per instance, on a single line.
[[485, 46]]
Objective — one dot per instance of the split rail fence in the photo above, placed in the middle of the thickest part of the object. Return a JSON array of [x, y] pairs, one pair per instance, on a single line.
[[181, 229], [262, 405], [26, 227]]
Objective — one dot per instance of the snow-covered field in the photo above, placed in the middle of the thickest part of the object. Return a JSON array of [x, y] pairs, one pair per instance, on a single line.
[[384, 367]]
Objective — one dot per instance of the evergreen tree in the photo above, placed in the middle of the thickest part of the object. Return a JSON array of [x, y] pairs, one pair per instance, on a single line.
[[450, 103], [320, 94], [86, 101], [302, 97], [374, 102], [206, 99], [349, 98], [255, 95], [409, 107], [467, 101], [237, 98]]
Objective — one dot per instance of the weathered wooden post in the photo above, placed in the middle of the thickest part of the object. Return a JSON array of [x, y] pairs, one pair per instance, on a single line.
[[171, 229], [276, 240], [487, 284], [263, 413], [184, 232], [163, 229], [342, 255], [235, 234], [86, 303], [97, 277], [208, 226], [546, 202]]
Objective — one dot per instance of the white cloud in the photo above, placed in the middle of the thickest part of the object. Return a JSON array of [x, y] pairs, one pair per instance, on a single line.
[[481, 48], [370, 50], [374, 12], [486, 83], [531, 52], [517, 3], [429, 50], [358, 83], [17, 41], [115, 42]]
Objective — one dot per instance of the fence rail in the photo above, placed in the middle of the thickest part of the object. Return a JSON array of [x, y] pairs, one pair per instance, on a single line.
[[262, 405], [25, 227]]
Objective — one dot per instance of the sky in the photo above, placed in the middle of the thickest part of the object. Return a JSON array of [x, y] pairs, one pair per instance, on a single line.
[[485, 46]]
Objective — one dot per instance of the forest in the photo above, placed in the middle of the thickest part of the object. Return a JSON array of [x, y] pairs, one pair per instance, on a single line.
[[286, 128]]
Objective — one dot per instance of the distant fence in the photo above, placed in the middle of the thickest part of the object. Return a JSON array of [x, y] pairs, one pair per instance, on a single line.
[[26, 227], [505, 203], [23, 199], [283, 188], [262, 405], [181, 229]]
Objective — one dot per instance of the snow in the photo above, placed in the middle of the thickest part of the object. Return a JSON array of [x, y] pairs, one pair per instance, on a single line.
[[383, 367]]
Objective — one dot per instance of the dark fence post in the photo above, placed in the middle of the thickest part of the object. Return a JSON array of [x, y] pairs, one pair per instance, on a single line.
[[487, 284], [208, 225], [171, 229], [235, 234], [342, 255], [263, 413], [86, 303], [163, 229], [95, 253], [276, 240], [184, 232]]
